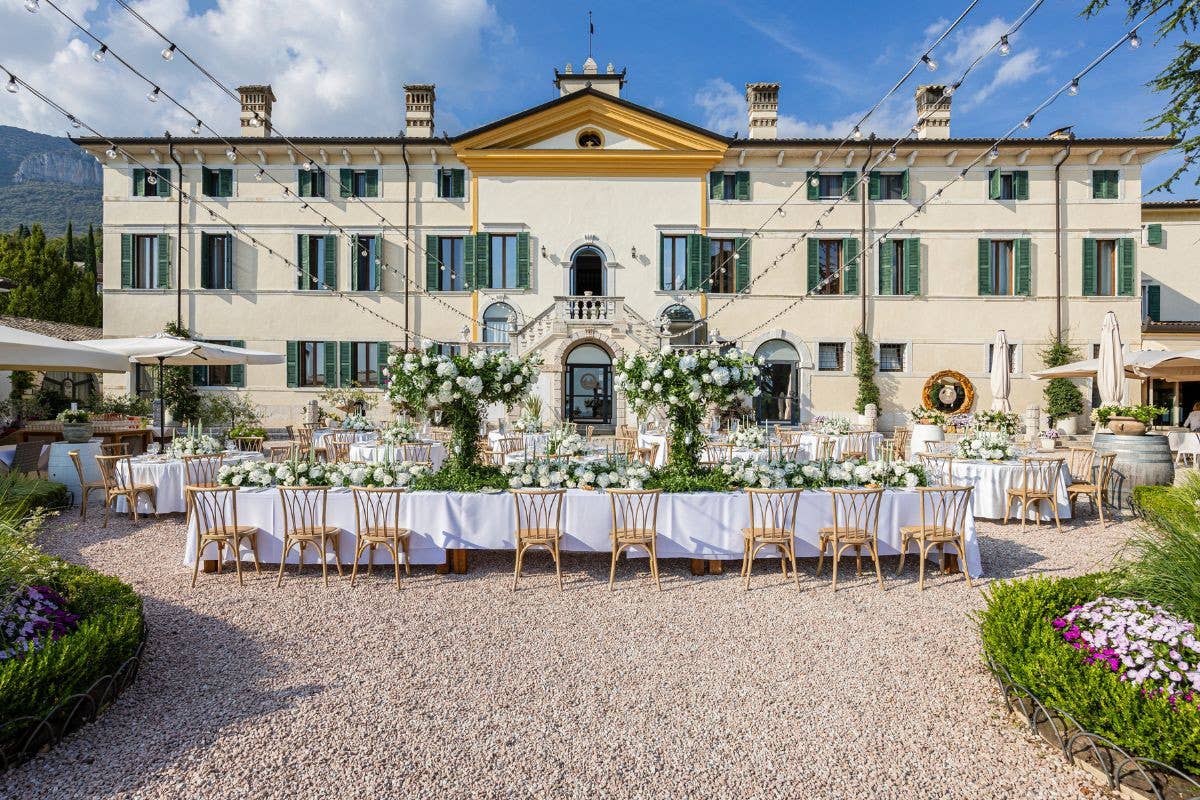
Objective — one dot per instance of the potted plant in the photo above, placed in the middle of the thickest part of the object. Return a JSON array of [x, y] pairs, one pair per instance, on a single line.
[[1064, 401], [1127, 420], [1048, 439], [77, 426]]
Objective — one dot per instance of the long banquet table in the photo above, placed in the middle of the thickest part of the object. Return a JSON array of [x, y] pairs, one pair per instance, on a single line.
[[167, 476], [698, 526]]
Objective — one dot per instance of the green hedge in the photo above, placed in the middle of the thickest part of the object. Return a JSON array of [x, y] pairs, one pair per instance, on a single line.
[[1017, 634], [1161, 562], [36, 493]]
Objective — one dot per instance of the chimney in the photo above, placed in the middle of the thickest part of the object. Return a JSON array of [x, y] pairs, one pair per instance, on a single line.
[[933, 112], [256, 110], [418, 114], [762, 100]]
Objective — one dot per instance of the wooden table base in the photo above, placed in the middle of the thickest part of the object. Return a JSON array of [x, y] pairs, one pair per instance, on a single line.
[[713, 566], [456, 562]]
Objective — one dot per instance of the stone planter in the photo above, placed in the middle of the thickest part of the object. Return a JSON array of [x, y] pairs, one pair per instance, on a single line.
[[1068, 425], [77, 432], [1126, 426], [1047, 444]]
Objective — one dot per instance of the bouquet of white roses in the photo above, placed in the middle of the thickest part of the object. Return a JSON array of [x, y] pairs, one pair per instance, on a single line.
[[818, 475], [254, 473], [564, 441], [356, 422], [399, 474], [549, 473], [751, 436], [986, 445], [399, 432], [832, 426], [194, 443]]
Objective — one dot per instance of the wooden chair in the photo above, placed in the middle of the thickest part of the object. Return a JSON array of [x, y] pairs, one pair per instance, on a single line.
[[337, 450], [856, 445], [377, 523], [414, 452], [938, 466], [202, 470], [783, 452], [539, 524], [772, 524], [1089, 479], [116, 472], [634, 524], [307, 438], [646, 455], [714, 454], [825, 448], [280, 452], [86, 487], [136, 441], [1039, 481], [588, 432], [900, 439], [215, 511], [855, 524], [305, 522], [28, 458], [115, 449], [944, 512], [626, 432], [625, 446], [249, 444]]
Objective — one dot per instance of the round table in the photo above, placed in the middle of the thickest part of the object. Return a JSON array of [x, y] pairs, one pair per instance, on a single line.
[[376, 453], [359, 436], [808, 444], [993, 479], [168, 477]]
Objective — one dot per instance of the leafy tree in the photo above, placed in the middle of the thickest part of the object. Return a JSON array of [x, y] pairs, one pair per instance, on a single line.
[[1063, 398], [183, 401], [864, 370], [1179, 80], [47, 285]]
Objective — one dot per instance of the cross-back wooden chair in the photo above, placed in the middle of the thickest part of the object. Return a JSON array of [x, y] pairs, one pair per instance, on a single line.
[[855, 445], [900, 439], [283, 454], [200, 471], [824, 448], [214, 509], [939, 467], [337, 450], [377, 524], [1039, 484], [539, 524], [634, 524], [646, 455], [116, 472], [855, 524], [944, 512], [249, 444], [86, 487], [114, 449], [625, 446], [714, 454], [783, 452], [307, 437], [414, 452], [305, 522], [1091, 480], [772, 524]]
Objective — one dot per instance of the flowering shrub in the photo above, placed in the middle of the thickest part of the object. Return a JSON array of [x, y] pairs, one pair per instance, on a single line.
[[683, 386], [34, 616], [554, 473], [832, 426], [752, 436], [457, 389], [927, 416], [1139, 641], [986, 445], [822, 475]]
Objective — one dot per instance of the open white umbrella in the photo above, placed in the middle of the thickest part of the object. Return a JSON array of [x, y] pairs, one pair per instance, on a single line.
[[32, 351], [165, 350], [1110, 371], [1001, 383], [1179, 366]]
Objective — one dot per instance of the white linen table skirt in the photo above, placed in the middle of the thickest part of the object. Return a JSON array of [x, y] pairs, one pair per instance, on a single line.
[[808, 445], [992, 480], [374, 453], [650, 439], [169, 479], [359, 436], [702, 525]]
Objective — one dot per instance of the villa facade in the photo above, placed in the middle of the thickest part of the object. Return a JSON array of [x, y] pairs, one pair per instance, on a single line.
[[591, 226]]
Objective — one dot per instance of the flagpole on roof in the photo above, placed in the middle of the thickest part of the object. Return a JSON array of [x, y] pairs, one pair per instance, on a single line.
[[591, 32]]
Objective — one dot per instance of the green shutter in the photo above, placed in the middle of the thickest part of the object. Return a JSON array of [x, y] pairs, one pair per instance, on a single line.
[[306, 267], [229, 261], [873, 190], [662, 246], [993, 184], [468, 267], [354, 262], [1126, 249], [912, 266], [345, 374], [716, 185], [318, 183], [1089, 267], [523, 260], [293, 368], [1154, 234], [330, 273], [985, 267], [331, 370], [695, 261], [432, 284], [126, 260], [887, 268], [304, 183], [139, 182], [458, 180], [706, 263], [741, 184], [206, 181], [164, 182], [1105, 184], [345, 182], [812, 185], [381, 361], [850, 266], [200, 376], [237, 372], [814, 268], [741, 273], [850, 181], [437, 180], [1023, 257], [1154, 302], [226, 187], [1021, 184], [372, 183], [377, 263], [481, 278], [164, 261], [904, 185], [205, 259]]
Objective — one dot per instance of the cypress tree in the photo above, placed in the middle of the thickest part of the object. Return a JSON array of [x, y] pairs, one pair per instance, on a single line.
[[89, 257], [69, 246]]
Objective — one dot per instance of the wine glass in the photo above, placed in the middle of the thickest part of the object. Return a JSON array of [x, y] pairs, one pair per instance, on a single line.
[[153, 448]]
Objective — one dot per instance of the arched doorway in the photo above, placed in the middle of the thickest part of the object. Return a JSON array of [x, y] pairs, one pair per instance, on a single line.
[[499, 321], [780, 398], [587, 385], [587, 272]]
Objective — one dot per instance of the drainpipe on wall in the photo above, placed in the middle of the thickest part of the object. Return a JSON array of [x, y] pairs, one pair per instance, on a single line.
[[178, 235], [1058, 204], [407, 240]]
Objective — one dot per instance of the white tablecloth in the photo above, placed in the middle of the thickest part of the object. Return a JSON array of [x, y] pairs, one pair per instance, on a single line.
[[169, 479], [651, 439], [808, 445], [1184, 441], [359, 436], [703, 525], [376, 453], [993, 480]]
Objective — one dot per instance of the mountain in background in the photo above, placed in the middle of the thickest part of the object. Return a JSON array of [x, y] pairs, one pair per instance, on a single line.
[[48, 181]]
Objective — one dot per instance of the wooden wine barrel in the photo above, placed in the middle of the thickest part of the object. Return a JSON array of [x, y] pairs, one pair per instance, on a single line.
[[1141, 461]]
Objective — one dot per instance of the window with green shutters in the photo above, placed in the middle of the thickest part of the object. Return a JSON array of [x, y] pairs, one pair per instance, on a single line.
[[887, 186], [1008, 185], [361, 363], [729, 185], [216, 182], [672, 262], [832, 185], [445, 262], [152, 183], [832, 266], [310, 182], [452, 183], [216, 261], [145, 261], [1108, 267], [1105, 184], [900, 266], [721, 267], [1153, 302], [1005, 267], [312, 364], [318, 262], [1154, 234], [358, 182], [366, 260]]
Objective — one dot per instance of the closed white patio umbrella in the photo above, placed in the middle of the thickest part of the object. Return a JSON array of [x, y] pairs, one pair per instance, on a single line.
[[1110, 369], [1001, 382], [32, 351]]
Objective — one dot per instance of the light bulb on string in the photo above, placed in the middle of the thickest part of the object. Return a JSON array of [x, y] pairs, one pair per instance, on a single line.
[[308, 165], [196, 127], [951, 89], [32, 6], [231, 154], [1025, 123], [992, 156], [1004, 48], [259, 175], [781, 212], [168, 52], [111, 152], [1135, 41], [11, 86], [74, 122], [151, 178], [1073, 89], [891, 154], [153, 95], [856, 134], [929, 62], [98, 53]]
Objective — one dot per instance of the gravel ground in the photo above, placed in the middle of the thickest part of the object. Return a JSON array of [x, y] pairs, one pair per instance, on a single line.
[[456, 687]]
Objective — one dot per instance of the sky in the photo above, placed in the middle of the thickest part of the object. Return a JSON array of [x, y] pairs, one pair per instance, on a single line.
[[339, 66]]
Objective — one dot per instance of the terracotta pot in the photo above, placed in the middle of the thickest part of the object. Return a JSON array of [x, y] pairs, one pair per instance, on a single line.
[[1126, 426]]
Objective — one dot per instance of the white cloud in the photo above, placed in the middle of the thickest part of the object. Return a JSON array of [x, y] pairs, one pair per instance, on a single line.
[[995, 71], [336, 68]]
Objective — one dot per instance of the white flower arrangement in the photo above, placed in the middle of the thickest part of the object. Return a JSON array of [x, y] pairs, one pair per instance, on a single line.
[[987, 446], [554, 473], [832, 426], [727, 380], [248, 474], [751, 436], [564, 441], [399, 432], [395, 474], [818, 475], [260, 474], [527, 424], [356, 422], [194, 444], [421, 382]]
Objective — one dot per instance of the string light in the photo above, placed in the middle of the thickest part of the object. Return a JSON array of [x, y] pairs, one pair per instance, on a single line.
[[111, 153], [32, 6], [74, 122], [196, 126], [151, 178], [1074, 88], [994, 154], [857, 133], [1025, 123], [231, 154], [1135, 41], [1004, 48], [11, 86], [153, 96], [168, 52], [929, 62], [258, 176], [98, 53]]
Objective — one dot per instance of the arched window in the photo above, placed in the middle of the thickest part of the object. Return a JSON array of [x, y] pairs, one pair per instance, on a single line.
[[587, 385], [589, 138], [499, 320], [679, 320], [780, 398]]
